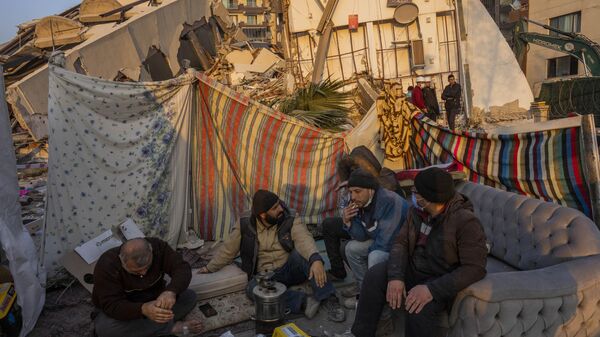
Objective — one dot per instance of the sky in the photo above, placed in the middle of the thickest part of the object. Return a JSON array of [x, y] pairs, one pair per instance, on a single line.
[[15, 12]]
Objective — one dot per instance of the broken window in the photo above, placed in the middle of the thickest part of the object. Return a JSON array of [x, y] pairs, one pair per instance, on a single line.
[[79, 68], [562, 66], [197, 44], [156, 65]]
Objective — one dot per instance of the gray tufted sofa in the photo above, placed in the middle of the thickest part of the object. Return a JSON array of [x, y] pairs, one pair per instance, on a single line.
[[543, 270]]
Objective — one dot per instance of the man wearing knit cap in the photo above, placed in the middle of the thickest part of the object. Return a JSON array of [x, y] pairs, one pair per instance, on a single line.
[[439, 251], [272, 239], [372, 219]]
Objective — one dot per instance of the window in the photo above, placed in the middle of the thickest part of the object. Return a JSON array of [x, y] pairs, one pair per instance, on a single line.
[[562, 66], [251, 19], [230, 3], [251, 3], [570, 23]]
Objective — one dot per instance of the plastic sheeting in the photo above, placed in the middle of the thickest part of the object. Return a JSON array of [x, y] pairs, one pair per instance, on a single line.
[[15, 240]]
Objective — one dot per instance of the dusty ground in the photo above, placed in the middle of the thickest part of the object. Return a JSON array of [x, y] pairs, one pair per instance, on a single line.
[[67, 313]]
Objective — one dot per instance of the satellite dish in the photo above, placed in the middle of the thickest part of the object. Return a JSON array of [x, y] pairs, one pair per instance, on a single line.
[[406, 13]]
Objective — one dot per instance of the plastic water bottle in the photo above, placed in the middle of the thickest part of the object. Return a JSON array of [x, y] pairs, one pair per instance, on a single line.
[[186, 330]]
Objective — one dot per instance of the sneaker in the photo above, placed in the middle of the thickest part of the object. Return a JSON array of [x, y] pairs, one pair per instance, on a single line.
[[385, 328], [312, 307], [351, 291], [335, 312], [350, 303]]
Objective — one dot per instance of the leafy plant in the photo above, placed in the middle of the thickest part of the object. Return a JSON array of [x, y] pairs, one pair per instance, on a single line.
[[322, 105]]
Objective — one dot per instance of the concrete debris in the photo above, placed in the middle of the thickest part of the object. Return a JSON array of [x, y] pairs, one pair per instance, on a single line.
[[264, 60], [240, 57], [54, 31], [32, 166], [91, 10]]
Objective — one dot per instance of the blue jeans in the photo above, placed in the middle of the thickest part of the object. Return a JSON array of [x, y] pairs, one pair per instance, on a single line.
[[360, 259], [295, 271]]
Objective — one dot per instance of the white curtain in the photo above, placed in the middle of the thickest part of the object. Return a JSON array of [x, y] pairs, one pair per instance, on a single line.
[[116, 150]]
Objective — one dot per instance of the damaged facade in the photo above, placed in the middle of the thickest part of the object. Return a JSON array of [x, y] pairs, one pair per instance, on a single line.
[[151, 44]]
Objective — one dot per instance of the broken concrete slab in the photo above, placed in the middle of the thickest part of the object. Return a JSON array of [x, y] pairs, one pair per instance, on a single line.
[[240, 57], [90, 11], [222, 15], [264, 60], [58, 31]]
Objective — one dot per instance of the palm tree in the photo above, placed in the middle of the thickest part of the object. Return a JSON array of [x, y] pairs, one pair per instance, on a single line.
[[322, 105]]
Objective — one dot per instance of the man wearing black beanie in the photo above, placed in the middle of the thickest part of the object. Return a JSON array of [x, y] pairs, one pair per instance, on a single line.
[[272, 239], [371, 220], [439, 251]]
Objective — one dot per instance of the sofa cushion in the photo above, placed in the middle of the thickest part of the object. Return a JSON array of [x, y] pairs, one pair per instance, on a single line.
[[493, 265], [225, 281], [528, 233]]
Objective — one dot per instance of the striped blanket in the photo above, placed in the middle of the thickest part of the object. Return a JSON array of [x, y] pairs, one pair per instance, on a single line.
[[544, 164], [240, 146]]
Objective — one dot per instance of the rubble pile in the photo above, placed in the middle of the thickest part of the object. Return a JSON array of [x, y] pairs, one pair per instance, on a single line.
[[257, 73], [32, 170]]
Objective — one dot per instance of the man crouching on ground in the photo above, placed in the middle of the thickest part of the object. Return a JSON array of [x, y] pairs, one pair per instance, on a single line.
[[273, 239], [132, 295], [439, 251]]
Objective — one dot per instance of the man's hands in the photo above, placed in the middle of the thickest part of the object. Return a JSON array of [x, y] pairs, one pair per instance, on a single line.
[[417, 298], [166, 300], [203, 270], [317, 270], [159, 310], [155, 313], [349, 212], [395, 291]]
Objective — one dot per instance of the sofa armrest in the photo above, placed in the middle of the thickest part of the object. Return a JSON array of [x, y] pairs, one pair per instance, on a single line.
[[561, 280]]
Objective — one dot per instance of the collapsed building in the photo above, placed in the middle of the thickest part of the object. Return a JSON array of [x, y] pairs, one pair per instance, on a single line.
[[383, 40]]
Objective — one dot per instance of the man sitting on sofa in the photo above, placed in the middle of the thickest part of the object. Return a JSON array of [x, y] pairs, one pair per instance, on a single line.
[[273, 239], [370, 221], [439, 251]]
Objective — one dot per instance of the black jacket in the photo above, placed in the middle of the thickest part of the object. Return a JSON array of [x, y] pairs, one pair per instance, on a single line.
[[431, 101], [451, 95], [453, 257], [120, 295]]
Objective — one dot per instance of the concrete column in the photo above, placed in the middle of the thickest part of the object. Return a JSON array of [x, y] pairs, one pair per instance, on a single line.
[[372, 46]]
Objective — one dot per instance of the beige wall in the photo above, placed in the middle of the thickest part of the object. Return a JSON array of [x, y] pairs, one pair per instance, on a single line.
[[542, 11]]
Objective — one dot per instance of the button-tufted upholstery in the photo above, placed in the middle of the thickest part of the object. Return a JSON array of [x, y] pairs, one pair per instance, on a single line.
[[543, 274]]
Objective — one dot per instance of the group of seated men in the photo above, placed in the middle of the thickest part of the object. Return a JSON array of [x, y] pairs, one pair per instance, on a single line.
[[414, 256]]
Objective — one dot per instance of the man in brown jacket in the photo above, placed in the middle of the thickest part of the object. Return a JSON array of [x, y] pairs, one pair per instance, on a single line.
[[272, 239], [439, 251], [132, 296]]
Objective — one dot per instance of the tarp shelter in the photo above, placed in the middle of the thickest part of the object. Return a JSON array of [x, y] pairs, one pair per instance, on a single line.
[[16, 241], [107, 138]]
